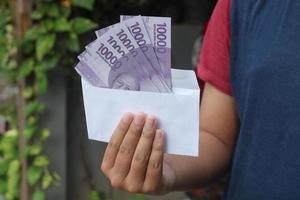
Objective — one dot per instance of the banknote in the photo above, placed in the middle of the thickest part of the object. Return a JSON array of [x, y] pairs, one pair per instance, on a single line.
[[121, 40], [88, 61], [119, 69], [126, 42], [133, 54], [138, 29], [159, 32], [88, 74]]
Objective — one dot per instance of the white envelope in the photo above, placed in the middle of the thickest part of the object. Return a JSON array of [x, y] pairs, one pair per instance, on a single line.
[[177, 112]]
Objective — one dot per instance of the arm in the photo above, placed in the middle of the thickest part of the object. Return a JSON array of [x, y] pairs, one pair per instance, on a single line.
[[218, 130], [134, 160]]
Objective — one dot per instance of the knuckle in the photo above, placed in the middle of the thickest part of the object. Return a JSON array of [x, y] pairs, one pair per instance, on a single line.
[[154, 164], [125, 150], [113, 145], [149, 188], [116, 183], [148, 134], [135, 129], [133, 189], [158, 147], [141, 158], [104, 168]]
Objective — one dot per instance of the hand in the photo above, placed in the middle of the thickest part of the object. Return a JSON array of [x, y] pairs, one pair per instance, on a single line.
[[133, 160]]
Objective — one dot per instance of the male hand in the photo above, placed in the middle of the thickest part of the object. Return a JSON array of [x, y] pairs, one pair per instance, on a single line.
[[133, 160]]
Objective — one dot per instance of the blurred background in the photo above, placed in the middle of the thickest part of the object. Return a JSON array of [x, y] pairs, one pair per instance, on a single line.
[[44, 150]]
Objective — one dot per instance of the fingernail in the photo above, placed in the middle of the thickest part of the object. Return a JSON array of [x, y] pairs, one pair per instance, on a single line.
[[127, 118], [150, 122], [139, 119]]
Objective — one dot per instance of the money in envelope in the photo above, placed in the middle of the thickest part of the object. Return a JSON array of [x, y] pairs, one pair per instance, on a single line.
[[128, 69]]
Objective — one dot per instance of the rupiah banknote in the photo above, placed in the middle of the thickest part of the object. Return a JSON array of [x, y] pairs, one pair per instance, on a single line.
[[120, 40], [138, 29], [133, 54], [119, 70], [124, 41], [159, 32]]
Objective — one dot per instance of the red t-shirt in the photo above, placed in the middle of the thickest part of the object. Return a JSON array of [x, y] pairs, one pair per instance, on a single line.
[[213, 66], [264, 74]]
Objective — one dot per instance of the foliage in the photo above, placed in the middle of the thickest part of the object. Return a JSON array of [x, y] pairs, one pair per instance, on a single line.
[[53, 37], [139, 197], [87, 4], [8, 46]]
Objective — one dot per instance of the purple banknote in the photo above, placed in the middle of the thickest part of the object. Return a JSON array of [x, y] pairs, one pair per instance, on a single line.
[[159, 33], [138, 30], [128, 44], [159, 30], [88, 74], [119, 69], [133, 54]]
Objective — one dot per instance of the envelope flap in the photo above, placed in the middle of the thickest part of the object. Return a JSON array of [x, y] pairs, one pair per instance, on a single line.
[[184, 79]]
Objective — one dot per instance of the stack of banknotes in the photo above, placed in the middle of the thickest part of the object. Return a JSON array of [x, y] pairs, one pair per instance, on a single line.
[[134, 54]]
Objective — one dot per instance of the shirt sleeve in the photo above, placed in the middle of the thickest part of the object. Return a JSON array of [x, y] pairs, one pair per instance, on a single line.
[[214, 62]]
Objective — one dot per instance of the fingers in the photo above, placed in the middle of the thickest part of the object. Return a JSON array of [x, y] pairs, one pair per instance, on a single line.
[[115, 142], [154, 170], [128, 146], [142, 153], [134, 156]]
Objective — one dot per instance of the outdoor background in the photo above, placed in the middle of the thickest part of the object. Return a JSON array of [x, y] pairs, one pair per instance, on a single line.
[[44, 150]]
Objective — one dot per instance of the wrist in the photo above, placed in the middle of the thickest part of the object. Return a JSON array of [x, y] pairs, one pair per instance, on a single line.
[[168, 178]]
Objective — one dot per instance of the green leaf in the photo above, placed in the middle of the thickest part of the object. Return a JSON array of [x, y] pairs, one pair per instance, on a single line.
[[13, 133], [37, 14], [61, 25], [47, 63], [3, 167], [28, 92], [13, 176], [41, 83], [87, 4], [94, 196], [41, 161], [53, 10], [29, 132], [139, 197], [82, 25], [34, 32], [35, 149], [31, 34], [56, 177], [12, 64], [32, 121], [2, 187], [32, 107], [65, 11], [46, 181], [38, 195], [73, 43], [45, 134], [40, 11], [8, 144], [44, 44], [33, 175], [48, 24], [26, 68]]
